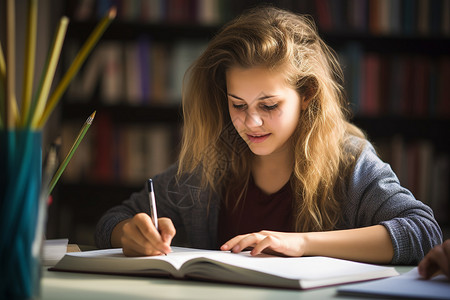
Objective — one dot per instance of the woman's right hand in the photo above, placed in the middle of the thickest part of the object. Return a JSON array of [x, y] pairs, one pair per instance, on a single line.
[[138, 236], [436, 261]]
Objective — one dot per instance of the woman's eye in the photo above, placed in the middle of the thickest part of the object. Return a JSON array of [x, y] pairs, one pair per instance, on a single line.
[[239, 106], [270, 107]]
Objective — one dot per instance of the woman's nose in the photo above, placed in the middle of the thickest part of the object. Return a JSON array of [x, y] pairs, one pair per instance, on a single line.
[[253, 119]]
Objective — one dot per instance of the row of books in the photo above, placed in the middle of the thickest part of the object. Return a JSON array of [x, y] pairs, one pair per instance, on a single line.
[[401, 85], [150, 73], [111, 153], [137, 73], [421, 169], [422, 17], [208, 12], [385, 17]]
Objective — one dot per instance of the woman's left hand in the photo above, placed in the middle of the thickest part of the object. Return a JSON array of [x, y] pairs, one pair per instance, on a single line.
[[272, 242]]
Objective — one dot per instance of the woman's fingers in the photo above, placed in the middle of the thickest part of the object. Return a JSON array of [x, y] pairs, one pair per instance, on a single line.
[[438, 259], [271, 242], [141, 237], [166, 232], [253, 240], [240, 242]]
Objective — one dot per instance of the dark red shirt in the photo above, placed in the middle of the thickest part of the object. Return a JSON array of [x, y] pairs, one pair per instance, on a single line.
[[256, 211]]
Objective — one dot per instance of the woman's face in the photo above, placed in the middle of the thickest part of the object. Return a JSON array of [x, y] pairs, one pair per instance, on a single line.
[[264, 109]]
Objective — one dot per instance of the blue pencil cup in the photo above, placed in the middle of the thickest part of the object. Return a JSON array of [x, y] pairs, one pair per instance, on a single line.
[[20, 184]]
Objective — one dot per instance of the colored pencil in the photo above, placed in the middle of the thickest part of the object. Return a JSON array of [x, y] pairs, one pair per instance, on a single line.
[[30, 53], [49, 73], [2, 64], [72, 150], [10, 65], [76, 64], [2, 88]]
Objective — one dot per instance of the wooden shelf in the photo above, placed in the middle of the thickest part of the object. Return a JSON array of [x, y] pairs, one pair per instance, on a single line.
[[126, 31], [98, 190], [124, 113], [408, 127]]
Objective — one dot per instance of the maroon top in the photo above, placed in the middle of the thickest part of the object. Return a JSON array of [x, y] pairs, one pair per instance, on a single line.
[[257, 211]]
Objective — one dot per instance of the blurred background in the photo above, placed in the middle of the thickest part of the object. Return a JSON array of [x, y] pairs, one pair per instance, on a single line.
[[395, 55]]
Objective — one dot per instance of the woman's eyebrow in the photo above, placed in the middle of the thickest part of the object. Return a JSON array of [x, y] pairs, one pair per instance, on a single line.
[[234, 96], [262, 97]]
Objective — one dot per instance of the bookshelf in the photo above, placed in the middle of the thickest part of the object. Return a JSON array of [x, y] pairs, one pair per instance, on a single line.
[[394, 46]]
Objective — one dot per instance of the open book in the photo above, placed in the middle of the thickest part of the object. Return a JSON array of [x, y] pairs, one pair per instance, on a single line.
[[220, 266]]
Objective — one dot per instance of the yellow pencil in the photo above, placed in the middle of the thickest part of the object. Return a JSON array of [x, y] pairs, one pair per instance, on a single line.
[[76, 64], [30, 50], [2, 64], [10, 65], [2, 87], [49, 72]]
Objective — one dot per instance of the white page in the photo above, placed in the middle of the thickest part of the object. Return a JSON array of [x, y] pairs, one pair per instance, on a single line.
[[309, 268], [177, 257]]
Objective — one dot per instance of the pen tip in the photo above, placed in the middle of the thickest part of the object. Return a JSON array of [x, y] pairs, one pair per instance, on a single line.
[[150, 185]]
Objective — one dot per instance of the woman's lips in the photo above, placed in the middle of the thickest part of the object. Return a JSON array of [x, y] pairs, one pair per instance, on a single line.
[[258, 138]]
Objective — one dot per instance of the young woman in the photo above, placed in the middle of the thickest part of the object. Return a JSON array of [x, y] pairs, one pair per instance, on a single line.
[[270, 162]]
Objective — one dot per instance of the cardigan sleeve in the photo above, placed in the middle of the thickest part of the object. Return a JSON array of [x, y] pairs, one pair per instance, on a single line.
[[138, 202], [192, 209], [375, 196]]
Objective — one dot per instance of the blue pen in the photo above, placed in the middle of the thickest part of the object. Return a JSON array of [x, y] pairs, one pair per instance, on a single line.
[[152, 202]]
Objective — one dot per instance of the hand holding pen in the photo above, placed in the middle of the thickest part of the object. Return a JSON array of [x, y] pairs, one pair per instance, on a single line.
[[144, 234]]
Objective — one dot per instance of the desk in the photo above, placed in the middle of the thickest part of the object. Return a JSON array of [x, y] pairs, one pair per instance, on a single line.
[[67, 286]]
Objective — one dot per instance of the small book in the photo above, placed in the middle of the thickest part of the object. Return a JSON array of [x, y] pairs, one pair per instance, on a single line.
[[53, 250], [221, 266], [409, 285]]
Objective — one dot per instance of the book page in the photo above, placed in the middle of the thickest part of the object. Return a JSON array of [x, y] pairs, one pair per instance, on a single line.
[[114, 261], [293, 272], [311, 268]]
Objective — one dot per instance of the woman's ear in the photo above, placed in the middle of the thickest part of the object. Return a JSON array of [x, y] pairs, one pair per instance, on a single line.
[[305, 100], [307, 92]]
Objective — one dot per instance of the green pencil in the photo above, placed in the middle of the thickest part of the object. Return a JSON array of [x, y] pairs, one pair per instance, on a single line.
[[72, 150]]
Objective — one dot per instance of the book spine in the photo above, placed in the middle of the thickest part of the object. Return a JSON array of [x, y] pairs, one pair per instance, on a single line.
[[324, 14], [144, 64], [112, 79], [132, 75]]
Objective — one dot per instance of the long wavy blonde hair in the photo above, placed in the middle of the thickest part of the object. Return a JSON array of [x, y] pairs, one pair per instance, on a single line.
[[279, 40]]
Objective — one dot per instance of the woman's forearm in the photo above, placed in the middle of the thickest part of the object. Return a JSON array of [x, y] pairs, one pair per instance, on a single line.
[[369, 244]]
